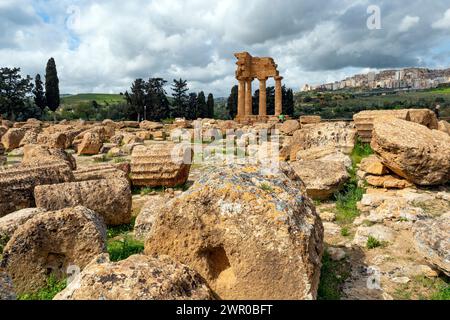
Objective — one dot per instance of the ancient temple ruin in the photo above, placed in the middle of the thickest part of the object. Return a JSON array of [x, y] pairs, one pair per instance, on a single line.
[[249, 68]]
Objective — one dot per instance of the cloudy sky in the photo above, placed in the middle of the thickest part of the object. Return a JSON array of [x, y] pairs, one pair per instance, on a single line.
[[101, 46]]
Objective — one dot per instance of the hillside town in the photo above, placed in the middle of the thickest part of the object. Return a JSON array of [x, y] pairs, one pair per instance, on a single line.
[[409, 78]]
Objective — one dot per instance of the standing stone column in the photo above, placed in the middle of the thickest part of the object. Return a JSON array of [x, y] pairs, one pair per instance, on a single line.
[[278, 96], [248, 97], [262, 97], [241, 98]]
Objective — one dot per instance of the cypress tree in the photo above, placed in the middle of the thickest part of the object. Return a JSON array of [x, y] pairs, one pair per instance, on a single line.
[[180, 98], [202, 108], [210, 106], [38, 91], [52, 85], [232, 102]]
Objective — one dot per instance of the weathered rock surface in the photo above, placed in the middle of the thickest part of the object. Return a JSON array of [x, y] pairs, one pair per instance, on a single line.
[[425, 117], [444, 126], [240, 229], [37, 154], [6, 287], [432, 241], [110, 198], [147, 216], [11, 139], [150, 125], [160, 165], [30, 137], [2, 155], [55, 140], [310, 119], [289, 126], [138, 277], [49, 243], [339, 135], [388, 182], [412, 151], [377, 231], [373, 165], [10, 222], [90, 144], [322, 178], [17, 185], [364, 121], [327, 153], [100, 172]]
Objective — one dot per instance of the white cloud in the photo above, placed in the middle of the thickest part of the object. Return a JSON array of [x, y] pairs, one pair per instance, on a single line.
[[110, 43], [407, 23], [444, 22]]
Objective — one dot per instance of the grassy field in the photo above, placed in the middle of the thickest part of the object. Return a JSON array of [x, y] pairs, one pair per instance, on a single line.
[[101, 98]]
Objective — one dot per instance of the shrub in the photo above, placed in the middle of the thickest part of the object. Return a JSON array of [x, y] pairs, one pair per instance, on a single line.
[[52, 288], [373, 243]]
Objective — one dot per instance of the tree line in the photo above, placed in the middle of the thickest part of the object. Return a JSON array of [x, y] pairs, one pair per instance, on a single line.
[[287, 101], [148, 101], [21, 99]]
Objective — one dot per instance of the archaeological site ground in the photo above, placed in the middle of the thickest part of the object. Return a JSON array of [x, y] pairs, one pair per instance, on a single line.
[[269, 194]]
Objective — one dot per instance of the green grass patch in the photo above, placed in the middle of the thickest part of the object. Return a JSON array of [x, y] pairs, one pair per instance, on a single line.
[[266, 187], [102, 158], [360, 151], [123, 229], [424, 288], [345, 232], [373, 243], [332, 277], [119, 160], [52, 288], [123, 248], [351, 194], [100, 98]]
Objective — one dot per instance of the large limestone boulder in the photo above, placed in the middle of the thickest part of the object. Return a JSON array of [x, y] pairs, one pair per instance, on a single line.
[[37, 154], [150, 125], [310, 119], [444, 126], [138, 277], [165, 165], [91, 144], [327, 153], [6, 287], [104, 171], [241, 229], [30, 137], [432, 241], [11, 139], [364, 120], [2, 131], [12, 221], [17, 184], [388, 182], [412, 151], [289, 126], [54, 140], [110, 198], [147, 216], [322, 178], [339, 135], [425, 117], [49, 243], [373, 165]]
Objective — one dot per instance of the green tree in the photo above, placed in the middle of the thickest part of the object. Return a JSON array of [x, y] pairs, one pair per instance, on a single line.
[[210, 106], [232, 102], [288, 101], [180, 98], [192, 106], [14, 91], [157, 104], [202, 107], [52, 85], [38, 91], [136, 99]]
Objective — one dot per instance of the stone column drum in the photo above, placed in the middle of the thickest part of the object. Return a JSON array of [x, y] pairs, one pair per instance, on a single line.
[[262, 97], [278, 96]]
